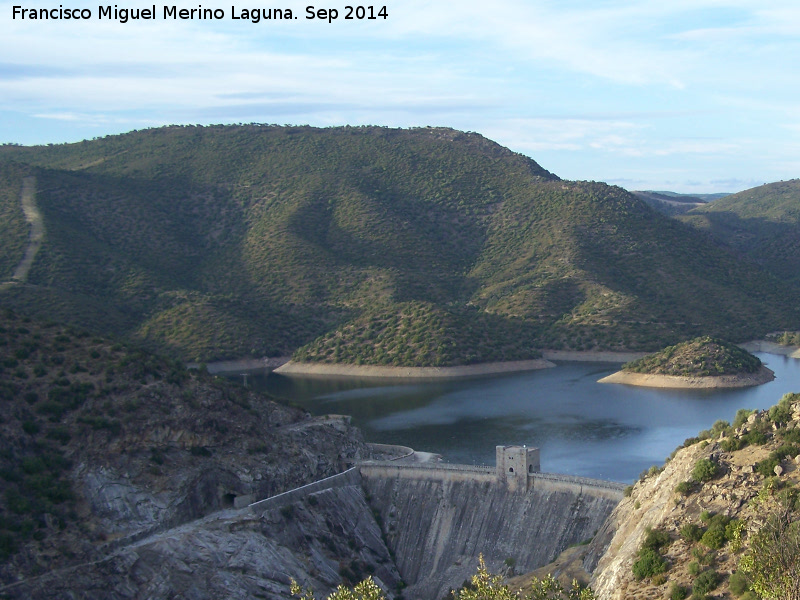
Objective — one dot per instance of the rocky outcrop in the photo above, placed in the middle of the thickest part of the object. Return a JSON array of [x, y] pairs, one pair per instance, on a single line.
[[326, 539], [673, 498]]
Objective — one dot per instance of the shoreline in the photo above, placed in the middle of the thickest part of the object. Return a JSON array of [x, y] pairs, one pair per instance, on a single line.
[[771, 348], [763, 375], [345, 370], [370, 371], [242, 364], [607, 356]]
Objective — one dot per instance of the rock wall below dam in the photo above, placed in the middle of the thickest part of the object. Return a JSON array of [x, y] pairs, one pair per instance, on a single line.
[[438, 523]]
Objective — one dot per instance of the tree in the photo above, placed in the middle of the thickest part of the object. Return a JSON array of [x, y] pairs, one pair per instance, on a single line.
[[483, 586], [773, 562]]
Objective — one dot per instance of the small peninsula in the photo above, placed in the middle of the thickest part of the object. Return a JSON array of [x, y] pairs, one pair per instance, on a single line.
[[703, 362]]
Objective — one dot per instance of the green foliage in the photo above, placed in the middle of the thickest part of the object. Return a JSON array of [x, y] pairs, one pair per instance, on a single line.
[[738, 584], [789, 338], [706, 582], [781, 413], [648, 563], [481, 586], [656, 539], [227, 241], [732, 444], [713, 538], [414, 334], [701, 356], [685, 488], [733, 533], [741, 417], [705, 470], [678, 592], [692, 532], [755, 437], [760, 223], [704, 558], [772, 562], [767, 466]]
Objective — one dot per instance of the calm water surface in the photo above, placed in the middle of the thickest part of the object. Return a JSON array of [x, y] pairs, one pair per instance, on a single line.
[[582, 427]]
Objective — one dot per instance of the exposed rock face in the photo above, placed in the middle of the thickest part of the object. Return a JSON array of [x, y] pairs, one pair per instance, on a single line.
[[237, 555], [105, 445], [738, 490]]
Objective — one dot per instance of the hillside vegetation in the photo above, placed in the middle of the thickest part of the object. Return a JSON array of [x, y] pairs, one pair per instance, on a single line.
[[230, 241], [721, 519], [762, 223], [703, 356], [103, 441]]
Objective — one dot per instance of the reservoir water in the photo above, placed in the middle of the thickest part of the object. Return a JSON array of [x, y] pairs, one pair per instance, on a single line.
[[583, 427]]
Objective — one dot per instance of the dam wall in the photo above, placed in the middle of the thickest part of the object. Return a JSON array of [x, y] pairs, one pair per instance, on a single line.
[[437, 520]]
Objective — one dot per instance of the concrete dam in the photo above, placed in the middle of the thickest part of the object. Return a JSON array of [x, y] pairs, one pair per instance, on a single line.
[[437, 518]]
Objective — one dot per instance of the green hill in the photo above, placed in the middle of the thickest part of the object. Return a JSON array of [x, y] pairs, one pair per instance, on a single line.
[[762, 223], [227, 241], [701, 356]]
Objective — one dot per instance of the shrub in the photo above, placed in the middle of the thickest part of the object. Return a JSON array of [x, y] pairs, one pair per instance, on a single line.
[[648, 564], [705, 470], [655, 539], [704, 558], [767, 466], [755, 437], [731, 444], [684, 488], [713, 538], [678, 592], [705, 582], [738, 584], [741, 417], [733, 533], [694, 568], [692, 532]]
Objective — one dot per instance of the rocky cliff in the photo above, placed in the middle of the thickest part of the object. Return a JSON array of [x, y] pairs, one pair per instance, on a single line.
[[726, 484], [106, 445]]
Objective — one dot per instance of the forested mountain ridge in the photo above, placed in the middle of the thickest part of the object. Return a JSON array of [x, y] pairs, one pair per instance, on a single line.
[[227, 241]]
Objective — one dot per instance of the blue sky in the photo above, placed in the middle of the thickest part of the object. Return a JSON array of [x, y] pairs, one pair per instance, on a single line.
[[690, 96]]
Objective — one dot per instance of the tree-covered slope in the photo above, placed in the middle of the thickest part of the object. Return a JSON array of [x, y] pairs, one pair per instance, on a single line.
[[703, 357], [225, 241], [762, 223]]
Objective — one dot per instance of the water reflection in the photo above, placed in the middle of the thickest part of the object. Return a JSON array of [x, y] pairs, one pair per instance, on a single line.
[[582, 427]]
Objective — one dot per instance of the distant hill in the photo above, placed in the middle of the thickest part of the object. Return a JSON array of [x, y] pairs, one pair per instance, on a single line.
[[762, 223], [672, 203], [227, 241]]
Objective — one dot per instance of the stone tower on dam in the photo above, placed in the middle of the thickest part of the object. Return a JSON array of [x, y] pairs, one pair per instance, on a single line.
[[515, 464]]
